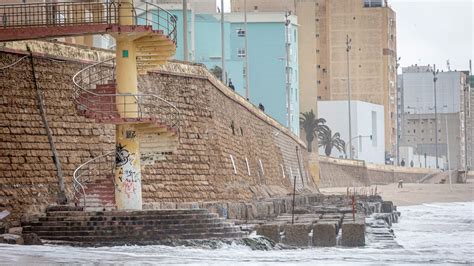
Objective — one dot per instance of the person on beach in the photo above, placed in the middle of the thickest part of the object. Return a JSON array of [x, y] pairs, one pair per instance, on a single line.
[[400, 183]]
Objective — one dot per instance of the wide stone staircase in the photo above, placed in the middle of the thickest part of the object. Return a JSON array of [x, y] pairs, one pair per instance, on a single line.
[[71, 225]]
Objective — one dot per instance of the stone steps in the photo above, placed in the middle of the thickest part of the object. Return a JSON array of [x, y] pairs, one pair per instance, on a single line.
[[126, 222], [120, 227], [138, 231], [120, 239], [127, 227], [131, 213]]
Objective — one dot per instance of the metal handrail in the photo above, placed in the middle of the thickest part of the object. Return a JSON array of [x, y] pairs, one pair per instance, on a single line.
[[147, 104], [14, 16], [83, 174], [166, 21]]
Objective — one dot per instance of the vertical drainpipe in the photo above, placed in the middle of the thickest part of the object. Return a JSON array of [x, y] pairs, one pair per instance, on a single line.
[[185, 31], [61, 199]]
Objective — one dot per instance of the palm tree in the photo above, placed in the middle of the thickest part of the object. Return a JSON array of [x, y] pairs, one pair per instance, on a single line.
[[216, 71], [312, 127], [329, 141]]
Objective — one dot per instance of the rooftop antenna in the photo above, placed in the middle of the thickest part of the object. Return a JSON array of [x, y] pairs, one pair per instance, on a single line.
[[448, 65]]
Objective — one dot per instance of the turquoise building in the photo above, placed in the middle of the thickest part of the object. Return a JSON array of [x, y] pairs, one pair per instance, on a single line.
[[266, 55]]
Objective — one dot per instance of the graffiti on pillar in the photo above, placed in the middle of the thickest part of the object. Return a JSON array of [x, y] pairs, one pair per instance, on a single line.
[[130, 178], [121, 156], [130, 134], [127, 173]]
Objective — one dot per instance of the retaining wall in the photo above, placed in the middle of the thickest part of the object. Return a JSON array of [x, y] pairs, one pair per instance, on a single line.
[[200, 170], [347, 173]]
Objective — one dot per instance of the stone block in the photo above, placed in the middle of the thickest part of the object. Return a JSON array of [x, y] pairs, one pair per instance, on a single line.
[[216, 207], [279, 206], [236, 210], [11, 239], [297, 234], [187, 205], [324, 234], [387, 206], [15, 230], [250, 211], [168, 205], [32, 239], [271, 231], [353, 234]]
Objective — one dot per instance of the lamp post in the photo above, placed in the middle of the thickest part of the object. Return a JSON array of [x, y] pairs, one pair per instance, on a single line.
[[287, 68], [247, 89], [224, 73], [348, 48], [417, 110], [360, 141], [398, 112], [185, 30], [435, 78], [448, 160]]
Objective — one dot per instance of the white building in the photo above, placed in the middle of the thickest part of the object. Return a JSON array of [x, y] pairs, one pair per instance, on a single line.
[[419, 126], [368, 142]]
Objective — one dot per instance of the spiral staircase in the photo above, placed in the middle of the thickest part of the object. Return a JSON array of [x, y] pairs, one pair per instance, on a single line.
[[156, 121]]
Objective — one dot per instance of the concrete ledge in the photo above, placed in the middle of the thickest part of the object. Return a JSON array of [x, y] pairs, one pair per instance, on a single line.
[[353, 234], [324, 234]]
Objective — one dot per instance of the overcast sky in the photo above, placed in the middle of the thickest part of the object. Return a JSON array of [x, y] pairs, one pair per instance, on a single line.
[[433, 31]]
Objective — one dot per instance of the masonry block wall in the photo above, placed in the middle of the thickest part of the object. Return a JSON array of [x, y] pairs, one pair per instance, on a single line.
[[216, 124], [353, 173]]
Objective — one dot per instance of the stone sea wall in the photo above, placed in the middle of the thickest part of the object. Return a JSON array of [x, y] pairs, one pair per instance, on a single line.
[[216, 124]]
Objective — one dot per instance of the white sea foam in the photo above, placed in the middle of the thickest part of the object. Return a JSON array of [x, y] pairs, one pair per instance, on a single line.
[[430, 234]]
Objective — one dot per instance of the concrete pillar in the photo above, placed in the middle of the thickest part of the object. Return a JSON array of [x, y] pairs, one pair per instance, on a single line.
[[353, 234], [128, 191], [126, 77], [271, 231], [297, 234], [324, 234]]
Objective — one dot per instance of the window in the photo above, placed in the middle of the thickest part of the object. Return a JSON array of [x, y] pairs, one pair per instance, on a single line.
[[241, 32], [317, 35], [241, 52], [374, 128], [317, 50]]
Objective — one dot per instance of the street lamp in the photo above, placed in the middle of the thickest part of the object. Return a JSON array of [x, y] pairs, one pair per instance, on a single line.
[[417, 110], [360, 137], [398, 111], [348, 48], [435, 78], [448, 161]]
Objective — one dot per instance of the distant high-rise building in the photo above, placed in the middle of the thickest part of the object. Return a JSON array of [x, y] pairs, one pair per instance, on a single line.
[[418, 126]]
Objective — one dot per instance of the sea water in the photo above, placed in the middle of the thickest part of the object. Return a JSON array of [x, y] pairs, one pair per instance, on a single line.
[[437, 234]]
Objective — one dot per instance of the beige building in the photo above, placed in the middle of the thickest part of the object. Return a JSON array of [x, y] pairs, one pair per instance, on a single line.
[[371, 26]]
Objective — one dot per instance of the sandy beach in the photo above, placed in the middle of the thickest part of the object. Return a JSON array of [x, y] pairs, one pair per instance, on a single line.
[[416, 194]]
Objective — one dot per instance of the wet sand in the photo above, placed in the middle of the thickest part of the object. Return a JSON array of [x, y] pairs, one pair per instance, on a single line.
[[416, 194]]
